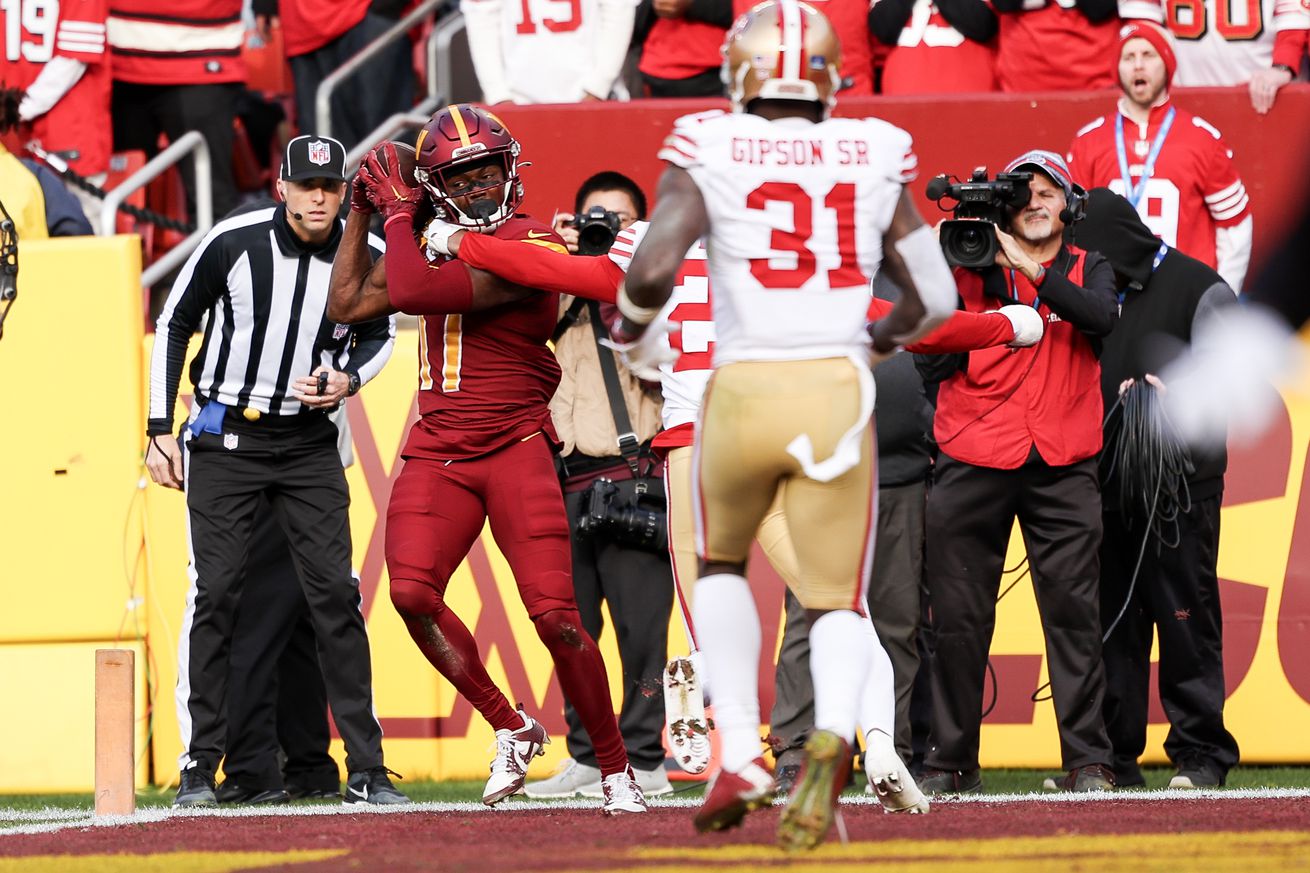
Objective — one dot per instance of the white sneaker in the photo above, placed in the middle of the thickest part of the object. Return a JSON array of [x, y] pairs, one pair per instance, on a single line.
[[622, 793], [570, 780], [889, 778], [654, 783], [684, 714], [514, 751]]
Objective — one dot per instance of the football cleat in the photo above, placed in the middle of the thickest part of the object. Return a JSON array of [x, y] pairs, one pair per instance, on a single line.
[[731, 795], [373, 786], [514, 751], [889, 779], [622, 793], [684, 715], [812, 808]]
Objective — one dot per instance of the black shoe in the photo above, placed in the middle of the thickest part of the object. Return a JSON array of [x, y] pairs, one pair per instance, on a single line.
[[1085, 779], [950, 781], [373, 786], [1195, 771], [232, 792], [297, 791], [196, 789], [787, 771]]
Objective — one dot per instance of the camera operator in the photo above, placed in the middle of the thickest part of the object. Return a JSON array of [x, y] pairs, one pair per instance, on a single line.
[[614, 497], [1018, 431]]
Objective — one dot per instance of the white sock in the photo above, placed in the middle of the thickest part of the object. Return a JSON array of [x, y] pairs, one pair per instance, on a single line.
[[839, 661], [878, 695], [698, 666], [728, 629]]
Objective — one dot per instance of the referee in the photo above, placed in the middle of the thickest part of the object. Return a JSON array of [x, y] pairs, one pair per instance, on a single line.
[[270, 367]]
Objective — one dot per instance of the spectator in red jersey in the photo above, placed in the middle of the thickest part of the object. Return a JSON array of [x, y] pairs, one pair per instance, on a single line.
[[55, 55], [1261, 48], [680, 42], [176, 68], [1058, 45], [1171, 165], [321, 35], [847, 18], [936, 46]]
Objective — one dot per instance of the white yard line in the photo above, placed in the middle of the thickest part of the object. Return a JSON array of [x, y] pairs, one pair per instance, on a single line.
[[54, 820]]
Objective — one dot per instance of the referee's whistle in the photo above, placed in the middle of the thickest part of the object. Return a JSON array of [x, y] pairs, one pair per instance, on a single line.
[[322, 383]]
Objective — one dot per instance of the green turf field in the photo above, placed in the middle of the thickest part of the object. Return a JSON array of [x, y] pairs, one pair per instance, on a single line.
[[994, 782]]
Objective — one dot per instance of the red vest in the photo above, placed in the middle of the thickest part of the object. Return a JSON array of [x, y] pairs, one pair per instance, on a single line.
[[1006, 400]]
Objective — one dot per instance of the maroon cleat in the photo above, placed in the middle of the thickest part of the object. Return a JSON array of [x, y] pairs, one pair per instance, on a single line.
[[732, 795]]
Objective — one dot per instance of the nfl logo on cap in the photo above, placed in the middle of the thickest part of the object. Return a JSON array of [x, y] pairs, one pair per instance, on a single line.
[[319, 152]]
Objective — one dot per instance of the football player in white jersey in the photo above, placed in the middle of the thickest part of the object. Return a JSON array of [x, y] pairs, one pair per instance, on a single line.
[[795, 208], [683, 377]]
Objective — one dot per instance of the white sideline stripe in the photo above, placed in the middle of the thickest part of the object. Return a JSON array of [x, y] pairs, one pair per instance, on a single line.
[[53, 820]]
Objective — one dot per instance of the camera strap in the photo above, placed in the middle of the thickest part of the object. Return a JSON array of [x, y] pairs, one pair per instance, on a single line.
[[568, 319], [629, 445]]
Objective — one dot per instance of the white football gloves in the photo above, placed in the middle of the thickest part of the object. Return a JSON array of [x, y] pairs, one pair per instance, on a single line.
[[438, 234], [1027, 322], [647, 353]]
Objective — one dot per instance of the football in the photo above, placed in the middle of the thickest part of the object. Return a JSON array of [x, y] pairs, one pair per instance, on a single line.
[[405, 154]]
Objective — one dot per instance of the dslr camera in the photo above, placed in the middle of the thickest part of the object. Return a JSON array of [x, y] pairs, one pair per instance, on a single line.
[[968, 238], [639, 522], [597, 229]]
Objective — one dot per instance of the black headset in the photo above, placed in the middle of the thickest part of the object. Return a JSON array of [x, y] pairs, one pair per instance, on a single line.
[[1075, 207]]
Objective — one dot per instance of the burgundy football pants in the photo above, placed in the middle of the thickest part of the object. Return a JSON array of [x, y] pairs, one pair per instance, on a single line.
[[437, 511]]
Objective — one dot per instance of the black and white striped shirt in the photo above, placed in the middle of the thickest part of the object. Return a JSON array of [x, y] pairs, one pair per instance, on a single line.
[[265, 294]]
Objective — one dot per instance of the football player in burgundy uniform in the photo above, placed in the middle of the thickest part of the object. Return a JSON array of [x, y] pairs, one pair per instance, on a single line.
[[483, 446], [1174, 167]]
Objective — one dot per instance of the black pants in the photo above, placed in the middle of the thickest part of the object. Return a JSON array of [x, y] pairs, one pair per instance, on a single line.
[[706, 84], [971, 511], [894, 590], [276, 700], [294, 464], [142, 112], [383, 87], [638, 586], [1177, 595]]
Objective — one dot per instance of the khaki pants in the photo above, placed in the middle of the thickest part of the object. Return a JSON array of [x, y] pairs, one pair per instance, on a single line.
[[743, 472]]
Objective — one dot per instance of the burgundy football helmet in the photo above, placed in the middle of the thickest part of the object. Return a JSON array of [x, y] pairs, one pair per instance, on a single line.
[[456, 138]]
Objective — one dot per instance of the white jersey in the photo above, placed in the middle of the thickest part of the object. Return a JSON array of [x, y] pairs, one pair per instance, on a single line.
[[545, 51], [797, 213], [683, 381], [1223, 42]]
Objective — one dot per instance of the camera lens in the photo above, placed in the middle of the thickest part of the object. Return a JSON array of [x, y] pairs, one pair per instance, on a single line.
[[971, 242]]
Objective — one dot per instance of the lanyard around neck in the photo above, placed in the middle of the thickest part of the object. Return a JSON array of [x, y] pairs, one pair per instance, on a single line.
[[1014, 292], [1134, 192]]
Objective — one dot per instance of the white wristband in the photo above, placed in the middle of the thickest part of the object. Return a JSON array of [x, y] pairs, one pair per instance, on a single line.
[[631, 311]]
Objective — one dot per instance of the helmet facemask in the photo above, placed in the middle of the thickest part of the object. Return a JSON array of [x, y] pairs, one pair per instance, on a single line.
[[483, 215]]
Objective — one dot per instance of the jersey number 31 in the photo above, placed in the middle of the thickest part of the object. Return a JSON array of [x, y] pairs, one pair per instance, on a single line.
[[840, 199]]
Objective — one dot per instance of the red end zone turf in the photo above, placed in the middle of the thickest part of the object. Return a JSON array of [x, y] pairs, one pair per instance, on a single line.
[[1101, 835]]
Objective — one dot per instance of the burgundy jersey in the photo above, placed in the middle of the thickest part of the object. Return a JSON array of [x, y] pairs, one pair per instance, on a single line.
[[1194, 187], [486, 377]]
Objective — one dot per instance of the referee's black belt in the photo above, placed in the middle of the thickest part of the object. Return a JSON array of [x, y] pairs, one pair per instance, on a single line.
[[249, 418]]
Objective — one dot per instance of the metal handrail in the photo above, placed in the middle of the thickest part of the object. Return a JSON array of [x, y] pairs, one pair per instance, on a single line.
[[416, 117], [441, 76], [192, 141], [323, 96]]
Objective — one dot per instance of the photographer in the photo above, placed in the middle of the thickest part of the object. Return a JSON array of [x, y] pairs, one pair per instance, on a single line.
[[1018, 431], [614, 497]]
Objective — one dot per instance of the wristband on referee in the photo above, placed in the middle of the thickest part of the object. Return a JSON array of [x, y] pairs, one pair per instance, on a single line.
[[1291, 72]]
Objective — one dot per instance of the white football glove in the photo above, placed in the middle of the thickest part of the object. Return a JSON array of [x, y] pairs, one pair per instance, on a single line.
[[644, 355], [1027, 322], [438, 234]]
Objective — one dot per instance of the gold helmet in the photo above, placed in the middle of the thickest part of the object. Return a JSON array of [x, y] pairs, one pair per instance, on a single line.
[[782, 50]]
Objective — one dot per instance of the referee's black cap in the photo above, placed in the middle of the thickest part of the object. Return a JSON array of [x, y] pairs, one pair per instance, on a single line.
[[314, 157]]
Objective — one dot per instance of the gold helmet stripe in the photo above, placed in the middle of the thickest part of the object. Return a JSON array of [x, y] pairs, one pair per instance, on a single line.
[[457, 116]]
